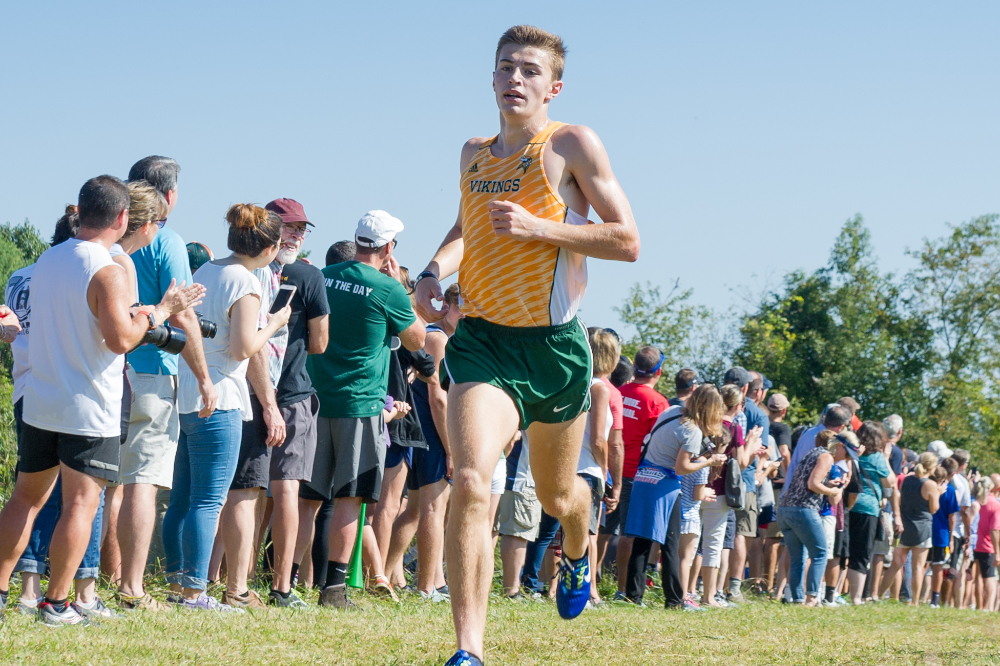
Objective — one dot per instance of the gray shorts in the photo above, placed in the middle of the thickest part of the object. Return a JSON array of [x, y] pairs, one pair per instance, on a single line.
[[153, 430], [596, 501], [519, 514], [350, 457], [293, 460]]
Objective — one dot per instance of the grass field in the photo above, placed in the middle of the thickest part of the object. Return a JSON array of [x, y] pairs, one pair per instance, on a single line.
[[758, 632]]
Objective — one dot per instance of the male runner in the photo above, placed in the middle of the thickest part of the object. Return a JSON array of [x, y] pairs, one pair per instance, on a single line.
[[521, 358]]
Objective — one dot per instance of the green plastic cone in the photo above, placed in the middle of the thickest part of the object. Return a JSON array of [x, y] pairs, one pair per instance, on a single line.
[[355, 575]]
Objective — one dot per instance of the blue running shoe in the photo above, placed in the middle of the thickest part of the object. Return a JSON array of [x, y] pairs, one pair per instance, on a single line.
[[463, 658], [573, 591]]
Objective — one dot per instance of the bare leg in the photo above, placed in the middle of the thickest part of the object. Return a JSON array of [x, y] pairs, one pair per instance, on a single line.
[[135, 531], [689, 544], [856, 579], [878, 567], [307, 525], [737, 559], [387, 509], [31, 587], [512, 550], [371, 556], [81, 499], [430, 533], [709, 582], [770, 558], [403, 531], [31, 491], [261, 521], [898, 561], [86, 590], [237, 523], [917, 575], [481, 421], [215, 568], [693, 574], [595, 596], [344, 528], [284, 530], [111, 553]]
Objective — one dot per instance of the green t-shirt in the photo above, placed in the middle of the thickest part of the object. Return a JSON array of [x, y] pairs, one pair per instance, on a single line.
[[367, 308], [874, 468]]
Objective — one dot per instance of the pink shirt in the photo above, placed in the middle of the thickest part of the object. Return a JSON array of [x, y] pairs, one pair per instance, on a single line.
[[989, 519]]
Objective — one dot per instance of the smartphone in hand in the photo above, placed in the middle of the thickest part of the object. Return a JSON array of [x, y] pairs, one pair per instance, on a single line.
[[282, 298]]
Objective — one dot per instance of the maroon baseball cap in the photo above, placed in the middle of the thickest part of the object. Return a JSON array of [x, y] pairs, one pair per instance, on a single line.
[[290, 210]]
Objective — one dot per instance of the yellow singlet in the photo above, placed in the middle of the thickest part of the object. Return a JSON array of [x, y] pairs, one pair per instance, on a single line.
[[512, 282]]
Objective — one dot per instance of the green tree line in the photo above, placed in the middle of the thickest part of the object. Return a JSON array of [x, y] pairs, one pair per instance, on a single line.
[[925, 345]]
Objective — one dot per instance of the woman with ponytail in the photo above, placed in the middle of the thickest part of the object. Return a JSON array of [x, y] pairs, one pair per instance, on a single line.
[[918, 502], [209, 443]]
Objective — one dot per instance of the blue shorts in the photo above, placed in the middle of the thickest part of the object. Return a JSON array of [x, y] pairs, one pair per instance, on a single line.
[[397, 454], [429, 465]]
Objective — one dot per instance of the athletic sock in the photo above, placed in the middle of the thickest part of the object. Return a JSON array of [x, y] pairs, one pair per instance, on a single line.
[[336, 573], [935, 597], [734, 586], [830, 591], [58, 604], [295, 573], [88, 605], [283, 595]]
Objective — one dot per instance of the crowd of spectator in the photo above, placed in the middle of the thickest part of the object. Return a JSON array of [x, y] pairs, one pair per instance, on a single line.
[[234, 434]]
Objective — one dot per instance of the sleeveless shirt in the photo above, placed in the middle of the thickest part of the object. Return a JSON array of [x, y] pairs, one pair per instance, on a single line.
[[515, 282], [75, 383]]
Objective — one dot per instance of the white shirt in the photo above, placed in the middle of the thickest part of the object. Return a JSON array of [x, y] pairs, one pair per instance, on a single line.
[[75, 383], [224, 285], [17, 298], [964, 496], [588, 464]]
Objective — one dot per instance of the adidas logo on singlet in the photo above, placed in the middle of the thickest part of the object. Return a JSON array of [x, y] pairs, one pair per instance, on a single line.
[[474, 168]]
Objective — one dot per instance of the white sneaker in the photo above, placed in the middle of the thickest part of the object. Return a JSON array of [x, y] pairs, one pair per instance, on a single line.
[[434, 597]]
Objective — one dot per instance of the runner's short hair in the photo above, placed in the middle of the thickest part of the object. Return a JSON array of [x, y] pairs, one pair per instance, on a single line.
[[529, 35], [252, 229], [605, 350], [102, 200]]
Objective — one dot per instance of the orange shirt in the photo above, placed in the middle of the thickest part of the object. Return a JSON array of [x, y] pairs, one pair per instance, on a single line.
[[514, 282]]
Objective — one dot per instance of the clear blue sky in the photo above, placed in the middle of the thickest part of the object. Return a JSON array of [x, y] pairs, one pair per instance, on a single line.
[[744, 134]]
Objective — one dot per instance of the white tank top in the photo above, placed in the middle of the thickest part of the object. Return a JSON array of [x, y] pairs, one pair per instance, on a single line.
[[588, 464], [75, 383]]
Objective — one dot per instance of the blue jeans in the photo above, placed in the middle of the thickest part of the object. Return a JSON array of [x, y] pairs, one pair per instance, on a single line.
[[534, 555], [35, 557], [803, 530], [207, 453]]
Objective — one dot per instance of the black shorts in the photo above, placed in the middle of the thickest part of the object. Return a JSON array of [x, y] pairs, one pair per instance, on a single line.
[[39, 450], [614, 521], [254, 464], [428, 465], [841, 544], [939, 555], [861, 541], [985, 562]]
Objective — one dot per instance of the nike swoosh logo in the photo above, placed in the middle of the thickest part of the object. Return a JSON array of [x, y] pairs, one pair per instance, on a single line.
[[559, 409]]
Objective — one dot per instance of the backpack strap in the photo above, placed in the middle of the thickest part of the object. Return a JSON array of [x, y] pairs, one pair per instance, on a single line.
[[649, 437]]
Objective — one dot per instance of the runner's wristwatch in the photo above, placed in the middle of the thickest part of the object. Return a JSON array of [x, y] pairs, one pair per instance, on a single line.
[[425, 274]]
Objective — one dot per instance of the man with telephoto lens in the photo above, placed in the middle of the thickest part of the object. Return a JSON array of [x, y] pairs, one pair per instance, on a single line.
[[147, 457], [82, 325]]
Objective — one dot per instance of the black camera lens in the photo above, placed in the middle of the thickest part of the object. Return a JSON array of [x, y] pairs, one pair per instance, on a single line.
[[169, 339], [208, 328]]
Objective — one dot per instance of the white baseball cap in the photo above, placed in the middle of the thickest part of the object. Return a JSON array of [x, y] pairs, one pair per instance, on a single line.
[[377, 228], [940, 449]]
